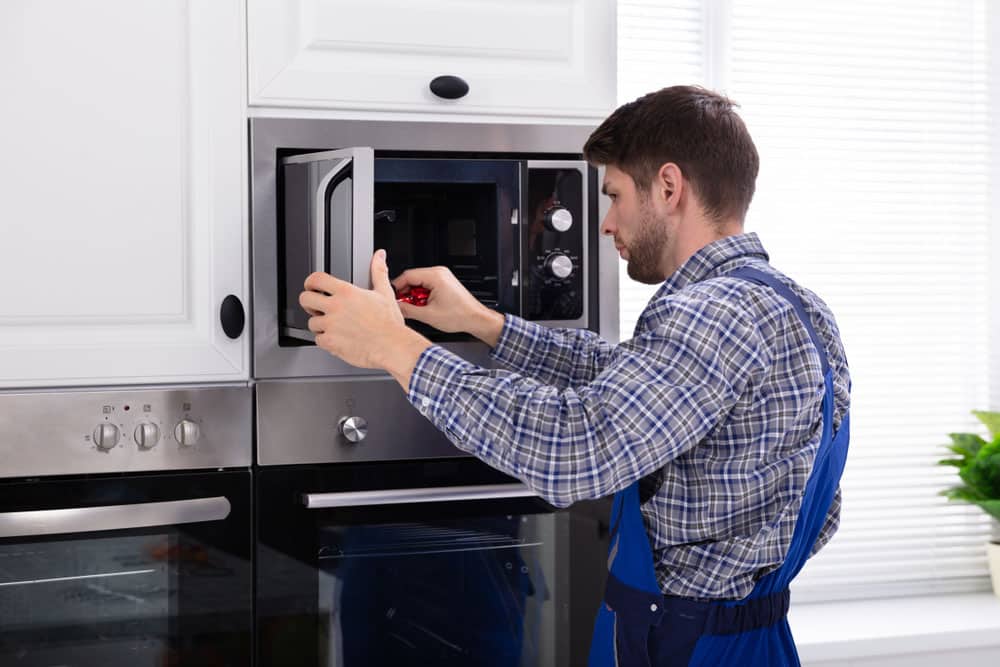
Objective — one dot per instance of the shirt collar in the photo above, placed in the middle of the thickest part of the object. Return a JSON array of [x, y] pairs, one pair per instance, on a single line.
[[714, 259]]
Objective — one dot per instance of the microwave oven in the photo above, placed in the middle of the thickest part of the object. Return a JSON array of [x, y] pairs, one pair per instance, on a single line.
[[511, 210]]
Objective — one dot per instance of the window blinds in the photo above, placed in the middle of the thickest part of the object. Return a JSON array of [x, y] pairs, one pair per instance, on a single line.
[[873, 124]]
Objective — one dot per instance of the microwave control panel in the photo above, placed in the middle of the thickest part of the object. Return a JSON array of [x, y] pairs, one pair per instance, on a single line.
[[553, 240]]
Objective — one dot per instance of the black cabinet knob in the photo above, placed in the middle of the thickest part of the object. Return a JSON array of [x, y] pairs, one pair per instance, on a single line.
[[449, 87], [232, 316]]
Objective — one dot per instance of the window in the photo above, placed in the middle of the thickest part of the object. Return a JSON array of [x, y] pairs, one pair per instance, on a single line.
[[873, 122]]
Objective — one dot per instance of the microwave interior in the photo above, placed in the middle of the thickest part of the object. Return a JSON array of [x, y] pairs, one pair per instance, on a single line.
[[427, 212]]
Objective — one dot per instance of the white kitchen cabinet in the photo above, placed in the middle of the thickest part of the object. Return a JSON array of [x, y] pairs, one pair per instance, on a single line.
[[122, 191], [519, 57]]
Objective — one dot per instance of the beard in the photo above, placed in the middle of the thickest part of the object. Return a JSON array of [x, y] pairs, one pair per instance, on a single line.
[[645, 252]]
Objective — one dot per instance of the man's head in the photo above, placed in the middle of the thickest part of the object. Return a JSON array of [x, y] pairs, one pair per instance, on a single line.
[[681, 169]]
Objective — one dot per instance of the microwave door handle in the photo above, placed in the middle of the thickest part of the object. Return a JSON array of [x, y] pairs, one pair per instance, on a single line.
[[406, 496], [112, 517], [322, 201]]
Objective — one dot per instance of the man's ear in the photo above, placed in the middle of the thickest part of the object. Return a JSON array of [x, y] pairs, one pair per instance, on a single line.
[[668, 186]]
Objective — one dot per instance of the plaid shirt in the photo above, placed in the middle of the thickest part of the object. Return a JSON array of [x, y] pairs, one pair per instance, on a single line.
[[717, 398]]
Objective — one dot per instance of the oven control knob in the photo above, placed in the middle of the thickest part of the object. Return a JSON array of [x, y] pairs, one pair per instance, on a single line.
[[354, 429], [558, 219], [187, 432], [558, 265], [106, 436], [147, 435]]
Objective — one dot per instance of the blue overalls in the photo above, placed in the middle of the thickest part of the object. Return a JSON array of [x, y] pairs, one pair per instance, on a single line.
[[639, 626]]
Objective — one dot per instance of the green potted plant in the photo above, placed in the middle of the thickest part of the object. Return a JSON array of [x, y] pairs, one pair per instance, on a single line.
[[979, 470]]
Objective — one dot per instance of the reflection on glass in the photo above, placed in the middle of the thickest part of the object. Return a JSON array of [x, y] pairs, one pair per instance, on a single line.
[[449, 592], [85, 602], [104, 601]]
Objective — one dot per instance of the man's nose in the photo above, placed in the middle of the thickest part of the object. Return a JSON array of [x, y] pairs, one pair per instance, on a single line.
[[607, 226]]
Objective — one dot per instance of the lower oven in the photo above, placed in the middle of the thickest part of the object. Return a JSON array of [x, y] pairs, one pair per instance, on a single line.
[[126, 529], [435, 562]]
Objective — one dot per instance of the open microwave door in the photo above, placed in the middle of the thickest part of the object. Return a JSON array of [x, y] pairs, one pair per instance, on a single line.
[[329, 218]]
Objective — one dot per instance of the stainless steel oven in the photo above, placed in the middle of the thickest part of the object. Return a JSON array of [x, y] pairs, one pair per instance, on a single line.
[[378, 544], [125, 528]]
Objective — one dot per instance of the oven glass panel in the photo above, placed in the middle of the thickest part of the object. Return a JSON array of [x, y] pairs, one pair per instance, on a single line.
[[69, 602], [471, 591], [173, 595], [91, 602]]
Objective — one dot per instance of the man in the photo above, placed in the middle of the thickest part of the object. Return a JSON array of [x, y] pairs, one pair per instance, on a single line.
[[721, 426]]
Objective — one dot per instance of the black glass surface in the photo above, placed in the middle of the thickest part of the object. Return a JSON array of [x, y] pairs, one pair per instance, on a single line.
[[443, 583], [165, 595], [453, 213]]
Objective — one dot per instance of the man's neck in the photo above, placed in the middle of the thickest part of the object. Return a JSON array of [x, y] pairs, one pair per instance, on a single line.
[[699, 234]]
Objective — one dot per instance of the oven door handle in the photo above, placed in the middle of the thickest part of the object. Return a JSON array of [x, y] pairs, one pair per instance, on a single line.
[[436, 494], [112, 517]]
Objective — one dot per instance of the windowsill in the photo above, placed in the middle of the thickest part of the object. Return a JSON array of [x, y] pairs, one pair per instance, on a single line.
[[895, 626]]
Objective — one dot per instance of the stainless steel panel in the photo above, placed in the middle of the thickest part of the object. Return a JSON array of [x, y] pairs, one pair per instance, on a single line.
[[52, 433], [448, 494], [112, 517], [297, 422]]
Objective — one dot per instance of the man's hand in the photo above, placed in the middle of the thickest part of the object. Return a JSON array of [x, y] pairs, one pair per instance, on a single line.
[[450, 307], [363, 327]]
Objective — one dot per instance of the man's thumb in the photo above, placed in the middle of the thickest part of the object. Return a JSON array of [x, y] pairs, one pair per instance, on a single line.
[[380, 275]]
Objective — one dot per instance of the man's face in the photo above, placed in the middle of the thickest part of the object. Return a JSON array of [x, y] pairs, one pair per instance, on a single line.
[[641, 233]]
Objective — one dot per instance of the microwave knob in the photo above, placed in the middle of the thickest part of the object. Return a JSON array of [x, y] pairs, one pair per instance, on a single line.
[[187, 432], [106, 436], [147, 435], [558, 265], [354, 429], [558, 219]]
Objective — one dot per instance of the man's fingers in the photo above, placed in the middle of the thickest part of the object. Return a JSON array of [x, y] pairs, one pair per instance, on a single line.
[[316, 325], [313, 303], [412, 278], [323, 282], [380, 275]]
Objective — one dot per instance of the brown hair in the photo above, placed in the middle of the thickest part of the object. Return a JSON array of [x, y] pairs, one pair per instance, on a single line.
[[696, 129]]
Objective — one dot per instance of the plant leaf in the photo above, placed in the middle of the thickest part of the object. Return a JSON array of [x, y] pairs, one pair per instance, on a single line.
[[958, 463], [990, 419], [966, 444], [963, 494]]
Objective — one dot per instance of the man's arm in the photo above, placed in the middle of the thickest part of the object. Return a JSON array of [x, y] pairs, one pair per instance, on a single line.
[[561, 357], [662, 395]]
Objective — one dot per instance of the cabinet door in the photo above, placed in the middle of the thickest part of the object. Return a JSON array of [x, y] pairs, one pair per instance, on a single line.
[[541, 58], [122, 191]]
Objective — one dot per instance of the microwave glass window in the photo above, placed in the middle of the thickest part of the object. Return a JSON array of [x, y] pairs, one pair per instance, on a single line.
[[441, 224], [443, 592], [462, 237]]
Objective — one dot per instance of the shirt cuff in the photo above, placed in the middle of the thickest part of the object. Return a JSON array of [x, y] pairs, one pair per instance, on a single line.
[[517, 340], [436, 378]]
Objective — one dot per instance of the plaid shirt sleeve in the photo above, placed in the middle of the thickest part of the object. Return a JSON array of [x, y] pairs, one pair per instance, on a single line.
[[558, 357], [657, 396]]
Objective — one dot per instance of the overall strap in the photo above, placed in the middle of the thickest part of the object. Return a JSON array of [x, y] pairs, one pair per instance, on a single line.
[[828, 465]]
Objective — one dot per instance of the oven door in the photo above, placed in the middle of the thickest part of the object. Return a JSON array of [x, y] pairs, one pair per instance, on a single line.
[[143, 571], [433, 563]]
